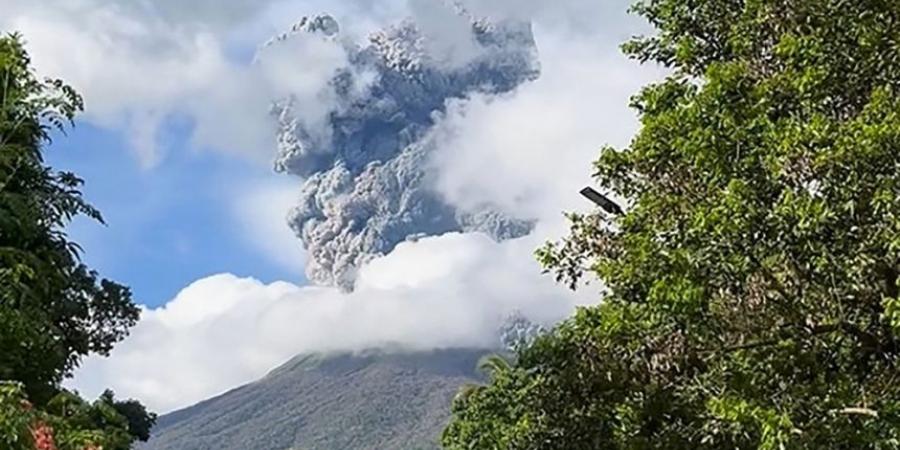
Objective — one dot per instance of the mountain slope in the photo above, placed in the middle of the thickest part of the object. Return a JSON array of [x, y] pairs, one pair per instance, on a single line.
[[372, 400]]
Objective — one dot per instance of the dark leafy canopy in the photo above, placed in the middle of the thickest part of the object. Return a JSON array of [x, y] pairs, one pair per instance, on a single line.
[[53, 309], [751, 288], [116, 423]]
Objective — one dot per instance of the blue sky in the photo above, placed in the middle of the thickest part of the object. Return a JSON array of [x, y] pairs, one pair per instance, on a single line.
[[168, 225]]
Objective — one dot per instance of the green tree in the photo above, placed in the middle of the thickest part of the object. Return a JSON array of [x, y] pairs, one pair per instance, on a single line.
[[751, 286], [54, 310], [69, 423], [117, 423], [139, 421]]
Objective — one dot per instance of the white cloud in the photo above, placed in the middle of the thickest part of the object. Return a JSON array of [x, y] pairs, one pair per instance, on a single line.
[[530, 152], [576, 18], [139, 63], [449, 35], [223, 331], [261, 210]]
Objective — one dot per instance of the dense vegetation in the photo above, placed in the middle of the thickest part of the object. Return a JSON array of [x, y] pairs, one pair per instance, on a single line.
[[53, 309], [750, 288]]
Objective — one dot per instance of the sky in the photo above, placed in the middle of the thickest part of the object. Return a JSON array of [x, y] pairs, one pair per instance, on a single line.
[[169, 226], [176, 145]]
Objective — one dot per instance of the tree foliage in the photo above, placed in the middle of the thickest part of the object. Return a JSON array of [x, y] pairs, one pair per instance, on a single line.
[[69, 423], [54, 310], [751, 287]]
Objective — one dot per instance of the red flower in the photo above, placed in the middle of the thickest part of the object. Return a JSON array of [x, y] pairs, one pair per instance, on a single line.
[[43, 437]]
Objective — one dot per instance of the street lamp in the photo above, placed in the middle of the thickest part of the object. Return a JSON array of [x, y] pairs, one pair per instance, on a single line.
[[602, 201]]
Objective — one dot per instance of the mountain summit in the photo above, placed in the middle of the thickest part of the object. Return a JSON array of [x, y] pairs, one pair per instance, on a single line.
[[376, 399], [373, 400]]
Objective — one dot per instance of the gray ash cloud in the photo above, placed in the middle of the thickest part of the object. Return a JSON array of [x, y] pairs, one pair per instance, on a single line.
[[365, 170]]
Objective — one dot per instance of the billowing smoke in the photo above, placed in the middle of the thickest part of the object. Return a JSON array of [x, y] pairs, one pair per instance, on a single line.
[[367, 185]]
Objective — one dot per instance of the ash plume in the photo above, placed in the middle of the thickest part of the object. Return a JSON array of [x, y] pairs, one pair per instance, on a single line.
[[365, 166]]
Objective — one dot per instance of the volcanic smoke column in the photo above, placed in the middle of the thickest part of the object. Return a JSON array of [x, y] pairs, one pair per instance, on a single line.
[[365, 170]]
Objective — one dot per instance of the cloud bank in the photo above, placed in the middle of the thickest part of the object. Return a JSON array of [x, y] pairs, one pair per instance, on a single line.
[[223, 331], [140, 64]]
